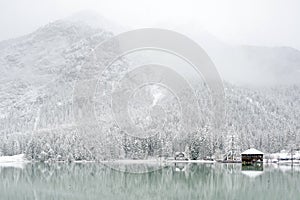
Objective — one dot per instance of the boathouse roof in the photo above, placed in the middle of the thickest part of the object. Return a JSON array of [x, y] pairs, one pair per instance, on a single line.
[[252, 151]]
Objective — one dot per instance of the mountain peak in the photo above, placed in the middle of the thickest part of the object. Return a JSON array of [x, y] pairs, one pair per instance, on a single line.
[[95, 20]]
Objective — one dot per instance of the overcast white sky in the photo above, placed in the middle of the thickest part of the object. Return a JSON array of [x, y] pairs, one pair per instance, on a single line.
[[254, 22]]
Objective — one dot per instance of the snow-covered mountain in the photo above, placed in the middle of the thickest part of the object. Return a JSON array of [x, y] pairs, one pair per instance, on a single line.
[[38, 72]]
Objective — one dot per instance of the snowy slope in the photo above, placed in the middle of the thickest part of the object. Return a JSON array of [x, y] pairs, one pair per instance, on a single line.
[[38, 73]]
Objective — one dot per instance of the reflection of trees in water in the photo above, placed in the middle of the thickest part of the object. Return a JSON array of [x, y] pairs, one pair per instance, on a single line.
[[92, 180]]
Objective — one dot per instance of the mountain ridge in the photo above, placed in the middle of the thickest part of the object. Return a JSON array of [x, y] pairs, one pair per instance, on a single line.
[[38, 73]]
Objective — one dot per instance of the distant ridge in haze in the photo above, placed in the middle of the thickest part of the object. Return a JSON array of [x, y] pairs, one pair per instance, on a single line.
[[244, 64]]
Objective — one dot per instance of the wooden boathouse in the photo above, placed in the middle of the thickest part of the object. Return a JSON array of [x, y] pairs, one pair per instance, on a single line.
[[252, 156]]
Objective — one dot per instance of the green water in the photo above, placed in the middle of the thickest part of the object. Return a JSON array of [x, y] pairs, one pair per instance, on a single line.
[[186, 181]]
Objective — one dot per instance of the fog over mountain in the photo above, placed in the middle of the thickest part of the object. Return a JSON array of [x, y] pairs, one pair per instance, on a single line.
[[239, 64], [244, 64], [39, 70]]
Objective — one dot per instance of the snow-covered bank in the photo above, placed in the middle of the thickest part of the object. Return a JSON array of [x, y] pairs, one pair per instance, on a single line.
[[20, 158], [283, 157], [16, 161]]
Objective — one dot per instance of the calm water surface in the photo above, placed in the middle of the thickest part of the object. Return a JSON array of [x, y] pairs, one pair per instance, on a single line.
[[184, 181]]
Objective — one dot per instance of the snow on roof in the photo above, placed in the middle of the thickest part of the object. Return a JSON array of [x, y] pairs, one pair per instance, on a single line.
[[252, 151], [178, 153]]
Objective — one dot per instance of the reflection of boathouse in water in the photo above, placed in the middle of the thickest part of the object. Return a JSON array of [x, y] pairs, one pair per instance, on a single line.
[[252, 160], [254, 170]]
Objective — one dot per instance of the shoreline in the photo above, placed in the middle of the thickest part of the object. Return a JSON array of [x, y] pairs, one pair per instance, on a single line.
[[20, 159]]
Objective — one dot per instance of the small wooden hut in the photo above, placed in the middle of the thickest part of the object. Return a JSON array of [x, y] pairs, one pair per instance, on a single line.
[[180, 156], [252, 156]]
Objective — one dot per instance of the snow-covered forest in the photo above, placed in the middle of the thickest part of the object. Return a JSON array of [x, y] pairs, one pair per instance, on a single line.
[[38, 73]]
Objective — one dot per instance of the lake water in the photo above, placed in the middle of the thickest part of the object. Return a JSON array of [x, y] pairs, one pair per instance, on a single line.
[[183, 181]]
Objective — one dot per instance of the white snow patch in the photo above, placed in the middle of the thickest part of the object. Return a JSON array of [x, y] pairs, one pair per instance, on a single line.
[[20, 158], [157, 95], [285, 157]]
